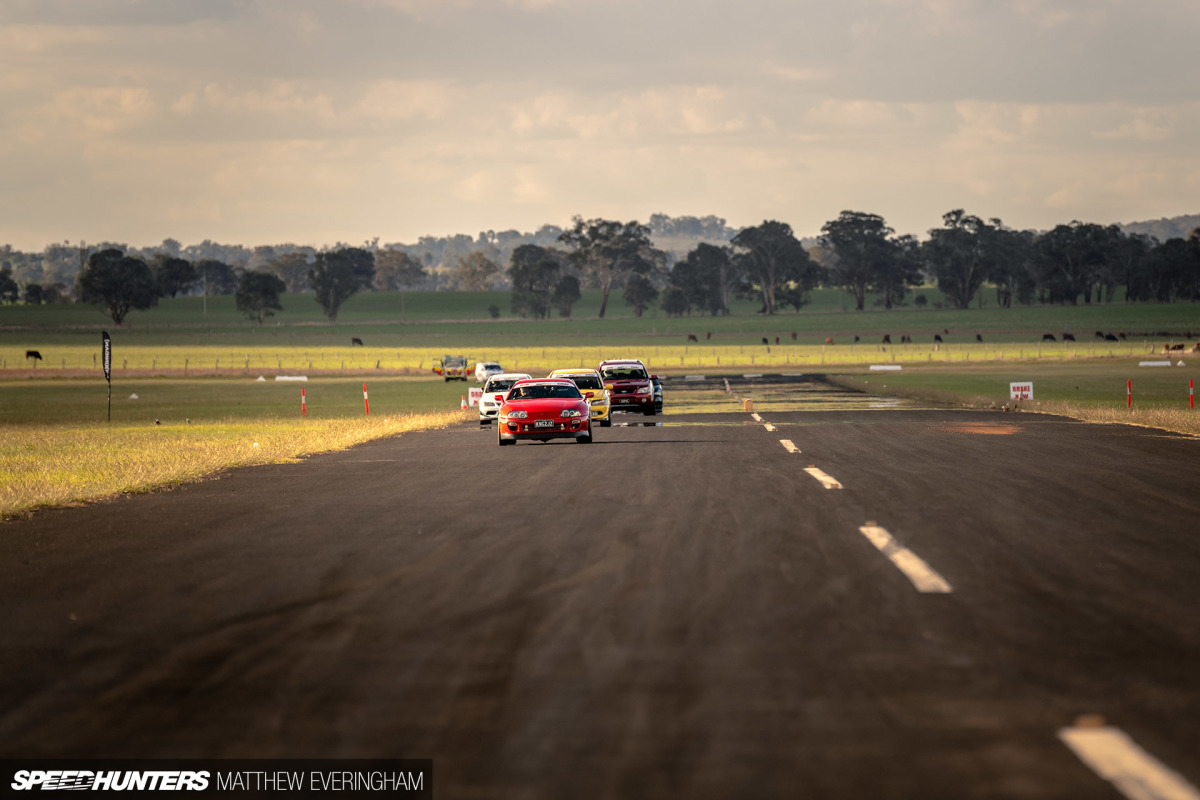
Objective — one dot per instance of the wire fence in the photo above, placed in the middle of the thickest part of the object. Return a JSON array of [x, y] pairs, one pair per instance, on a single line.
[[218, 360]]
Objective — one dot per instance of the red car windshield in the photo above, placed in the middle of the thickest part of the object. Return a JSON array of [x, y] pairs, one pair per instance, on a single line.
[[545, 391]]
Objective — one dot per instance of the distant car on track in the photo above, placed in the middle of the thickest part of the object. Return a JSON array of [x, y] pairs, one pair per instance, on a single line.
[[592, 386], [632, 389], [486, 369], [493, 394], [544, 408]]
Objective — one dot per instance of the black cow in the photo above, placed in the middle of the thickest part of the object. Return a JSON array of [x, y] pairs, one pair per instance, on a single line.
[[887, 338], [1068, 337], [937, 337], [356, 342], [1108, 337], [765, 340], [1049, 337], [35, 355], [692, 338], [979, 337]]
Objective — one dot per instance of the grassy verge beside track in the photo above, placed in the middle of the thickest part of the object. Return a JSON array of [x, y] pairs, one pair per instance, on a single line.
[[56, 465], [1093, 391]]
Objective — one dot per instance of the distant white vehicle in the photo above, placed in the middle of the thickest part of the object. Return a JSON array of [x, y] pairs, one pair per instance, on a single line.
[[493, 394], [486, 369]]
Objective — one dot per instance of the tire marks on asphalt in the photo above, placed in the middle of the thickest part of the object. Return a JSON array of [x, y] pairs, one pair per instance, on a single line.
[[1108, 751]]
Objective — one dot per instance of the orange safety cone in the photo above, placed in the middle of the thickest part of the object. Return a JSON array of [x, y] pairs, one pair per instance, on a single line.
[[464, 401]]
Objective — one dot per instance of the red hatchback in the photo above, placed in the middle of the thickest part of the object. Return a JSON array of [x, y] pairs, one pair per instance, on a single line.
[[545, 408]]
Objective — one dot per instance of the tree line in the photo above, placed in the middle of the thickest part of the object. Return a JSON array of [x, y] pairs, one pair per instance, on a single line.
[[857, 252], [861, 255]]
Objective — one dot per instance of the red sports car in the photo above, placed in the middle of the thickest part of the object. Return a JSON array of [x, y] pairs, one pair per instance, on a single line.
[[544, 408]]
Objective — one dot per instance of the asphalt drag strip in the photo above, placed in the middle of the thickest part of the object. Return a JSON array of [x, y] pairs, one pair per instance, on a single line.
[[673, 610]]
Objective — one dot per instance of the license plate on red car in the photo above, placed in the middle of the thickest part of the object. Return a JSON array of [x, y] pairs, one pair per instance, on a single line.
[[543, 423]]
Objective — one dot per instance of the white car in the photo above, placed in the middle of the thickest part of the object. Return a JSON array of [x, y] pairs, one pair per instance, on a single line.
[[493, 394], [486, 369]]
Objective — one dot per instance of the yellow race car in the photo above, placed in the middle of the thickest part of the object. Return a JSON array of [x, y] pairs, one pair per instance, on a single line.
[[592, 387]]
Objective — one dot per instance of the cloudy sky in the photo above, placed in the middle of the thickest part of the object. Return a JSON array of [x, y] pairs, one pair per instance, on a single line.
[[318, 121]]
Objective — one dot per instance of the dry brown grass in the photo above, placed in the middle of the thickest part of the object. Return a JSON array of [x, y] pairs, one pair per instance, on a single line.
[[42, 466], [1167, 419]]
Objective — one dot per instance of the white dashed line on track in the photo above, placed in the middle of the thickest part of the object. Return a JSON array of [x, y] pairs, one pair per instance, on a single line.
[[756, 417], [921, 574], [787, 445], [1112, 755], [771, 428], [828, 481]]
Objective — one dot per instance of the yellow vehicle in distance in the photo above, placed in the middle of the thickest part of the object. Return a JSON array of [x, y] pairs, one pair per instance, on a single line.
[[592, 387]]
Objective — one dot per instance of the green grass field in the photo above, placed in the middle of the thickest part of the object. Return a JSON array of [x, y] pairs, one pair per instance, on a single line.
[[196, 370], [459, 320], [210, 400]]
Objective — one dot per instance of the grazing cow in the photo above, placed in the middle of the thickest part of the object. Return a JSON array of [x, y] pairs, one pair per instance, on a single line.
[[906, 339], [1174, 347], [1108, 337], [793, 336], [1068, 337], [887, 338], [765, 340], [828, 340], [1121, 336], [856, 340], [1196, 347], [1049, 337], [937, 337], [979, 338], [708, 335], [1099, 334], [776, 340], [35, 355], [356, 342], [692, 338]]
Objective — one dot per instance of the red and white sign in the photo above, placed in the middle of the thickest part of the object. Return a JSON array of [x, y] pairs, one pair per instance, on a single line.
[[476, 394], [1020, 391]]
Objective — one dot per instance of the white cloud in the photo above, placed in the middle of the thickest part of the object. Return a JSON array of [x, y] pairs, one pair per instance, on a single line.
[[37, 39], [394, 99], [283, 97], [102, 110], [1143, 124]]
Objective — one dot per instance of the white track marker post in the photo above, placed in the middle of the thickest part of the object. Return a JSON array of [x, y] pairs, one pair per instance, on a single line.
[[1116, 758], [787, 445], [366, 403], [914, 568], [828, 481], [303, 404]]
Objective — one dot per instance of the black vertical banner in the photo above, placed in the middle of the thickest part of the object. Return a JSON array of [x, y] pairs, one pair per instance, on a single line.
[[106, 345]]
